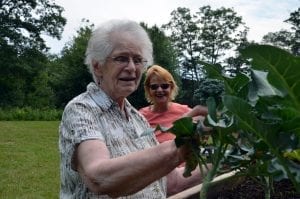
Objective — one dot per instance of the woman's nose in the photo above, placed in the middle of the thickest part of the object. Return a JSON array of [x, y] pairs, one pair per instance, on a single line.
[[131, 64]]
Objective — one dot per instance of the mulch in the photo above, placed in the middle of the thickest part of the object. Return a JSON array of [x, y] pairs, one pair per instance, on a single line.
[[250, 189]]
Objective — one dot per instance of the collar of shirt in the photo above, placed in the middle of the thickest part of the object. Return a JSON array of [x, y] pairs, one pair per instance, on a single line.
[[103, 100]]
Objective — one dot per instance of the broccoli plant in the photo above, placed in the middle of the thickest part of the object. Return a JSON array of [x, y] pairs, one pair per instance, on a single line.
[[209, 88], [256, 125]]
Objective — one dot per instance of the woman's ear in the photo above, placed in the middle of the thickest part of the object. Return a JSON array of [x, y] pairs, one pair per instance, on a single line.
[[97, 68]]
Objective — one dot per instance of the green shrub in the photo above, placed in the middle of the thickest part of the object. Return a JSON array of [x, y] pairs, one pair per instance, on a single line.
[[29, 114]]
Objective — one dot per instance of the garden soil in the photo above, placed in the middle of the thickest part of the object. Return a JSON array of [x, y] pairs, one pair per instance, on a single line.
[[250, 189]]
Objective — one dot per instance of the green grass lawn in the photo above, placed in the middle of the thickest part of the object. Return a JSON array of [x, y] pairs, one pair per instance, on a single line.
[[29, 159]]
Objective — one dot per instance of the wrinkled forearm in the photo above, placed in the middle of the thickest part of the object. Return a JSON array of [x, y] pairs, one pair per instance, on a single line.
[[128, 174]]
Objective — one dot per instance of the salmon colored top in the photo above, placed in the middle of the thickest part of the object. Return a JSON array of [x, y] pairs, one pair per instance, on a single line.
[[164, 119]]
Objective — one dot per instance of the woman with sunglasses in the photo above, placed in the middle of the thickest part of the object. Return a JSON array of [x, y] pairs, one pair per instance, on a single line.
[[160, 91]]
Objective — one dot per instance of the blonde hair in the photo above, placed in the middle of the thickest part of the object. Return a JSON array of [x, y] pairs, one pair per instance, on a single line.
[[164, 74]]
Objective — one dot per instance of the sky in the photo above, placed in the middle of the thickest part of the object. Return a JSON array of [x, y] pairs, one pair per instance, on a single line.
[[261, 16]]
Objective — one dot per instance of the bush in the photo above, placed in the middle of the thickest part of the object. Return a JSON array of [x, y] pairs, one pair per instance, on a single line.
[[29, 114]]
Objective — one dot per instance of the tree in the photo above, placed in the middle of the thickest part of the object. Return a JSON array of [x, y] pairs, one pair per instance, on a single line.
[[70, 74], [164, 55], [22, 22], [282, 38], [22, 48], [184, 35], [294, 20], [163, 51], [287, 39], [237, 64], [221, 30], [37, 90], [209, 35]]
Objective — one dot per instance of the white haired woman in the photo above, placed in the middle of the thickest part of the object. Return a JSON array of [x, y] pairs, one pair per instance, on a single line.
[[103, 152]]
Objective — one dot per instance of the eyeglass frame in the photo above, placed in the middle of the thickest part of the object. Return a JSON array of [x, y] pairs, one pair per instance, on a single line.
[[126, 59], [164, 86]]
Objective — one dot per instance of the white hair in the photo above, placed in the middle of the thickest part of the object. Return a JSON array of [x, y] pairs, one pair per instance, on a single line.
[[104, 39]]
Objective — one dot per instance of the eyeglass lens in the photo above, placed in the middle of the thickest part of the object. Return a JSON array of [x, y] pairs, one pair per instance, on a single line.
[[124, 60], [156, 86]]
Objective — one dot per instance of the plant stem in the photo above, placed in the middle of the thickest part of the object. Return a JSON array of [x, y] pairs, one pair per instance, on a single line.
[[211, 173], [267, 187]]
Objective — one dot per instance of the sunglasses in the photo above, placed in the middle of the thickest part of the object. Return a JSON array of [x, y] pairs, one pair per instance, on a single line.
[[156, 86]]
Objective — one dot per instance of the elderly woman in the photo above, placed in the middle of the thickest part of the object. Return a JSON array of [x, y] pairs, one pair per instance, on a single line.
[[103, 152], [160, 91]]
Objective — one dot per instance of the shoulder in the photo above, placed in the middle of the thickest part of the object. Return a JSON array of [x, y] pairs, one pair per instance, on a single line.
[[83, 107], [180, 106], [80, 102], [76, 102], [145, 110]]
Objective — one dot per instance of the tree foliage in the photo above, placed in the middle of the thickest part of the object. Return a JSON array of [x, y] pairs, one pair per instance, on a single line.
[[23, 63], [71, 75], [22, 23], [208, 35], [184, 36], [24, 81], [164, 55], [221, 30], [294, 20], [287, 39]]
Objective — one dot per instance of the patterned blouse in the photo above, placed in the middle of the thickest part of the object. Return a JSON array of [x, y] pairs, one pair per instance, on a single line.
[[94, 115]]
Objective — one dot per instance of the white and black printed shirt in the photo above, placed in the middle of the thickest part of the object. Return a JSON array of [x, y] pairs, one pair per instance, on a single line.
[[94, 115]]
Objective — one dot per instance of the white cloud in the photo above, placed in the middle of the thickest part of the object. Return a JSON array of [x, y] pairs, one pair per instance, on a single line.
[[261, 16]]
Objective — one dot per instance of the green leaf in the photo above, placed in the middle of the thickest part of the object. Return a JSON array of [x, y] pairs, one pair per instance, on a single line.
[[236, 85], [279, 173], [260, 86], [293, 155], [220, 123], [190, 165], [292, 126], [233, 85], [212, 108], [243, 112], [212, 70], [283, 69], [182, 127]]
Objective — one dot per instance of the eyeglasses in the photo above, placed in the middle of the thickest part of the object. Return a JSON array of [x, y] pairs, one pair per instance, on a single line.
[[124, 60], [156, 86]]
